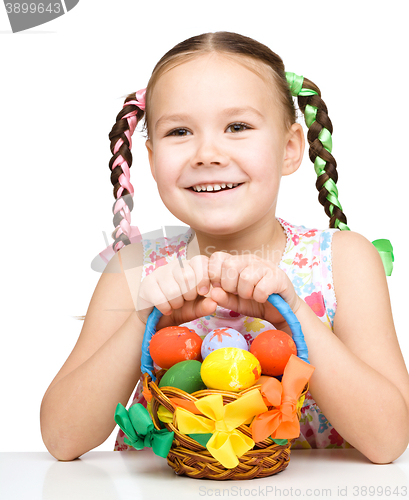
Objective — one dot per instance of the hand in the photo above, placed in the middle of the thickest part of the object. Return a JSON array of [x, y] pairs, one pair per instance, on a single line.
[[243, 283], [178, 292]]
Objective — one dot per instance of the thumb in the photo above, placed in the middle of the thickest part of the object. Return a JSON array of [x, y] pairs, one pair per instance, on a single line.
[[205, 307], [224, 299], [202, 306]]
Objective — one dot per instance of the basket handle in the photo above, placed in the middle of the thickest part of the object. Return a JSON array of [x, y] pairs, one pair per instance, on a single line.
[[276, 300]]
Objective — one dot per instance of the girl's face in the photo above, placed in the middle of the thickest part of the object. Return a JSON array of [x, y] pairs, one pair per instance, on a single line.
[[215, 122]]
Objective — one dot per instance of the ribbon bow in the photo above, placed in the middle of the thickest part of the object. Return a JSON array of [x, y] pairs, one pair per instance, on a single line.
[[140, 99], [281, 422], [226, 443], [140, 431], [385, 250]]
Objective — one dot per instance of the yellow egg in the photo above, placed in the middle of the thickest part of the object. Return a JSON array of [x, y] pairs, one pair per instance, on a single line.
[[230, 369]]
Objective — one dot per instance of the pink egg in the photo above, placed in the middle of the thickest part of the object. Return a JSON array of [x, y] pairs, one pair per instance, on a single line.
[[222, 337]]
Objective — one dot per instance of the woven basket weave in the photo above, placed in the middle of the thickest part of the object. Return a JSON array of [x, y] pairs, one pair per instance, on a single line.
[[188, 457]]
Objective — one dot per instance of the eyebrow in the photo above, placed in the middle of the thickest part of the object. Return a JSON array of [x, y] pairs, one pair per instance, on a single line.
[[228, 112]]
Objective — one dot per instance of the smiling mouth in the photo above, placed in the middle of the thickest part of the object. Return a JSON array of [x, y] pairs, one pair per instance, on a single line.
[[217, 191]]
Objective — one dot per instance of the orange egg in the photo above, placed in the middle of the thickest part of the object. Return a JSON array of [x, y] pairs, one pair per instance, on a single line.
[[173, 344], [273, 349]]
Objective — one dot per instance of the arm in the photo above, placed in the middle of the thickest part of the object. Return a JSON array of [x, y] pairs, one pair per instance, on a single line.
[[77, 411], [360, 383]]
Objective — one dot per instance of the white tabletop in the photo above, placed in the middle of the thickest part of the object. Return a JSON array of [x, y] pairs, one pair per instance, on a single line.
[[143, 475]]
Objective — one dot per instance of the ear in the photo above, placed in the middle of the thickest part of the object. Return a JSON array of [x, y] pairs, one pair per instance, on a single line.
[[148, 144], [294, 149]]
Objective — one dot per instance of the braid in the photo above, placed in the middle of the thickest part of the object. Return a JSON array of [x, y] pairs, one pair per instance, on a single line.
[[120, 163], [320, 140]]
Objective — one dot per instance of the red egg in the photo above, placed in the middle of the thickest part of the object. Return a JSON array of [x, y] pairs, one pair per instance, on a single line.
[[273, 349], [173, 344]]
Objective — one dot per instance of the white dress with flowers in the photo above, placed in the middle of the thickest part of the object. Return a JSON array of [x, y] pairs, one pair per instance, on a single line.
[[307, 261]]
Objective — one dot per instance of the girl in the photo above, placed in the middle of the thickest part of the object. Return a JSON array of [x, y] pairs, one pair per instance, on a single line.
[[221, 132]]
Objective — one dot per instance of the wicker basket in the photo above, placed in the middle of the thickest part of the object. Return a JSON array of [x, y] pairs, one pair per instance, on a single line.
[[187, 456]]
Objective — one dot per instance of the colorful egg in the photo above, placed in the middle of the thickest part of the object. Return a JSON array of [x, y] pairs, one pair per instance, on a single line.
[[223, 337], [230, 369], [273, 349], [184, 375], [173, 344]]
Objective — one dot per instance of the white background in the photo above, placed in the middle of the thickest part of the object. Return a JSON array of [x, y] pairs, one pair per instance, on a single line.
[[61, 86]]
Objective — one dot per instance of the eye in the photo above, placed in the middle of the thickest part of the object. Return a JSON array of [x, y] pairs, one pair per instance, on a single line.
[[179, 132], [238, 127]]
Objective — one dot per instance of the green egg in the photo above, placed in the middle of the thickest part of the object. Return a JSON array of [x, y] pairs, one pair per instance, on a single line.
[[184, 375]]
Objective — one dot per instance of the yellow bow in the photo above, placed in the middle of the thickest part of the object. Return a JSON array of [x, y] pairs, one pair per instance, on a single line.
[[281, 422], [226, 443]]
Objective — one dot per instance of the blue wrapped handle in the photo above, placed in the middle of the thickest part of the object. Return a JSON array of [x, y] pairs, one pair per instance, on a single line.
[[285, 310], [276, 300]]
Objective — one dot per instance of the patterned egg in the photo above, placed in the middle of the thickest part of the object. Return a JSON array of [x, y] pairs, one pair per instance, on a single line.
[[184, 375], [173, 344], [223, 337], [230, 369], [273, 349]]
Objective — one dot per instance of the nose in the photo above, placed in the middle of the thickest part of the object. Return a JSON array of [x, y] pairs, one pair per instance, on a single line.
[[209, 152]]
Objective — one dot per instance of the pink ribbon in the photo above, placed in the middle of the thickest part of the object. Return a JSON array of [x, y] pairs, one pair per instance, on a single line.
[[134, 236], [124, 178]]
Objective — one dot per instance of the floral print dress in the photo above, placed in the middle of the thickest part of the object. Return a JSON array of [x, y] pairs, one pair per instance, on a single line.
[[307, 262]]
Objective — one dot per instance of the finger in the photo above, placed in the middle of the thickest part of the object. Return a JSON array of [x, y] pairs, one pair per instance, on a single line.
[[185, 276], [173, 294], [265, 287], [215, 267], [200, 266], [250, 278], [150, 294], [231, 271], [225, 299], [204, 306]]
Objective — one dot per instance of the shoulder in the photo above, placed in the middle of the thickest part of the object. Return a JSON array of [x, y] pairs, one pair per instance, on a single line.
[[359, 278], [352, 252]]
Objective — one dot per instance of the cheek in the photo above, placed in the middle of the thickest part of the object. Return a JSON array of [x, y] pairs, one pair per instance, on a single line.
[[166, 167], [262, 161]]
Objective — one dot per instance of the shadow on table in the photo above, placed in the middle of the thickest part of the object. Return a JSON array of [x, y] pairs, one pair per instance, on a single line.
[[78, 480]]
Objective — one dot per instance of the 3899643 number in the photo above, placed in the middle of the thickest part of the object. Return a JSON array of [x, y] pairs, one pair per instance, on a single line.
[[380, 491], [33, 8]]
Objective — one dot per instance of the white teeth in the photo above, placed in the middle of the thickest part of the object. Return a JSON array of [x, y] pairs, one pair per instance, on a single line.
[[213, 187]]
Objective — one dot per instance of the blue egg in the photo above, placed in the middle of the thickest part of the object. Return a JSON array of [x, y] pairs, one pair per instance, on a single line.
[[222, 337]]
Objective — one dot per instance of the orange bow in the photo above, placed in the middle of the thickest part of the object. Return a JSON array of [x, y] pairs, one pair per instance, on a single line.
[[281, 422]]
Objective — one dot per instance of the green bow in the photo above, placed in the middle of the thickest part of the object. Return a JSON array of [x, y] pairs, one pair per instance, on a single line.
[[140, 431], [385, 250]]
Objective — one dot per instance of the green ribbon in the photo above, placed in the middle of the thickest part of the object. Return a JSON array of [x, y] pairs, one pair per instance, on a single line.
[[201, 438], [294, 82], [281, 441], [385, 250], [140, 431]]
